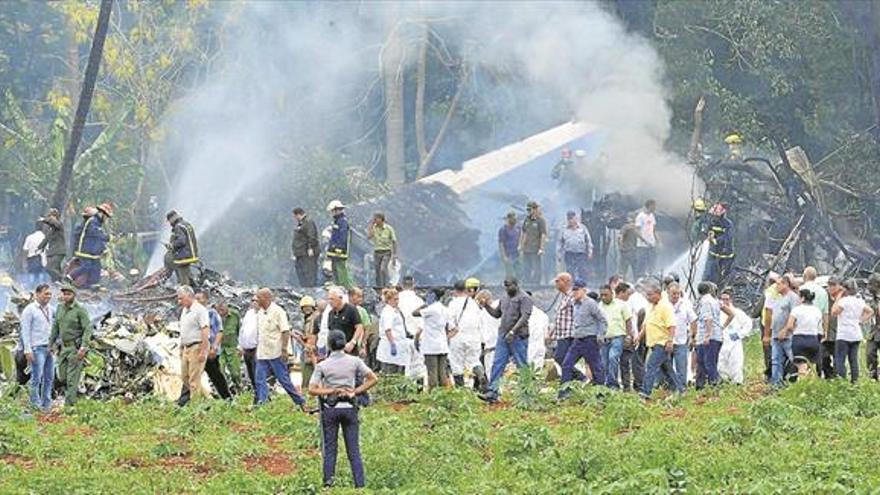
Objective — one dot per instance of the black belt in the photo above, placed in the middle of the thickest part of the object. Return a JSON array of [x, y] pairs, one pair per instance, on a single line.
[[187, 346]]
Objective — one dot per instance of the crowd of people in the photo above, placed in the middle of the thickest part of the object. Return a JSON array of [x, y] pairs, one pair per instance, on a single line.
[[631, 335]]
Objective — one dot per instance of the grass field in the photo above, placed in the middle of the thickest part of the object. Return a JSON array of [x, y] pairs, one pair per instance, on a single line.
[[812, 437]]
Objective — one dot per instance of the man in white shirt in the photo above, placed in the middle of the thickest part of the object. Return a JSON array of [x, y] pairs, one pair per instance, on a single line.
[[409, 302], [685, 325], [35, 257], [247, 342], [465, 347], [273, 328], [646, 244]]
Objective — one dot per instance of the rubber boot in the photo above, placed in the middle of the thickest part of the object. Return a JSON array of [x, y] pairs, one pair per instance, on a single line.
[[481, 383], [459, 380]]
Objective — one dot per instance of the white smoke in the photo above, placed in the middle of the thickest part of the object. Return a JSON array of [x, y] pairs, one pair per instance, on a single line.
[[608, 77], [294, 74]]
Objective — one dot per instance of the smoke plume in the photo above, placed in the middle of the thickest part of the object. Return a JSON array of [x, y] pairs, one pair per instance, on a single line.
[[296, 74]]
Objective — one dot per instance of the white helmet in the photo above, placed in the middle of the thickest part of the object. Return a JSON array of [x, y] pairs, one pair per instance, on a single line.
[[335, 205]]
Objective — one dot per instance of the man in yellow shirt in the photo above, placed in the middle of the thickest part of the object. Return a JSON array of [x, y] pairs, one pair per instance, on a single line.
[[659, 331]]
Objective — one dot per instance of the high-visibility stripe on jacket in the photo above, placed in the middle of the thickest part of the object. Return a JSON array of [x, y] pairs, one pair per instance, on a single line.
[[91, 240], [183, 241], [340, 238]]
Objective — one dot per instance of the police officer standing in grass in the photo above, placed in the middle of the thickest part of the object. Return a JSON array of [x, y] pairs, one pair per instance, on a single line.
[[333, 382], [74, 328]]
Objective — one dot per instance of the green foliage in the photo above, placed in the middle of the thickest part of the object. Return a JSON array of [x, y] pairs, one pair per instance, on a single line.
[[784, 69], [528, 393], [396, 388], [812, 437]]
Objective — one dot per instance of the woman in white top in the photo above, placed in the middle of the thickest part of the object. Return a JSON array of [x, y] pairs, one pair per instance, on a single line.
[[393, 350], [433, 338], [805, 326], [851, 311]]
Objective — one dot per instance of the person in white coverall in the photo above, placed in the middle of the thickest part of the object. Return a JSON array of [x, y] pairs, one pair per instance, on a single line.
[[466, 345], [731, 358], [539, 324]]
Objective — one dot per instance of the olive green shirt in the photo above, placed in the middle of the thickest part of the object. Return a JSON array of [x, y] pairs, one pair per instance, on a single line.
[[231, 326], [534, 231], [366, 321], [384, 238], [73, 325]]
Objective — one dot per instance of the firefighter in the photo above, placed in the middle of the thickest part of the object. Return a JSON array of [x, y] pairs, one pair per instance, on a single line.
[[565, 162], [734, 147], [340, 242], [89, 243], [183, 248], [699, 225], [54, 244], [720, 245]]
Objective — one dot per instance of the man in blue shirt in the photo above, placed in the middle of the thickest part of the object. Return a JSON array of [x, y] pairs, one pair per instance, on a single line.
[[709, 336], [508, 246], [215, 344], [36, 326], [590, 326]]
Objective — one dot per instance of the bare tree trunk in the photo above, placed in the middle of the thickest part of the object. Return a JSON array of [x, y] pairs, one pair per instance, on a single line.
[[420, 96], [425, 161], [59, 199], [392, 73], [873, 37], [866, 16], [695, 151]]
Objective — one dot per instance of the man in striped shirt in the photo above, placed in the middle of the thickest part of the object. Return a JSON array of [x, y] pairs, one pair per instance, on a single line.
[[564, 322]]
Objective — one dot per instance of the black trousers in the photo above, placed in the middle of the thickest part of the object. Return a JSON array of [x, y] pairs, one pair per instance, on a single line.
[[250, 364], [218, 379], [346, 419], [372, 347], [847, 351], [306, 270], [54, 268], [21, 375], [872, 347], [632, 367], [391, 369], [809, 348], [828, 359]]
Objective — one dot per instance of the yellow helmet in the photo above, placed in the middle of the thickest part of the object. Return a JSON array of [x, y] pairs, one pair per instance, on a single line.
[[700, 204], [733, 138], [307, 302], [472, 283]]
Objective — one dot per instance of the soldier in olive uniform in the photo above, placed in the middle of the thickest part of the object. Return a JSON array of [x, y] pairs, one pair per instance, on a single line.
[[872, 346], [230, 362], [74, 330]]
